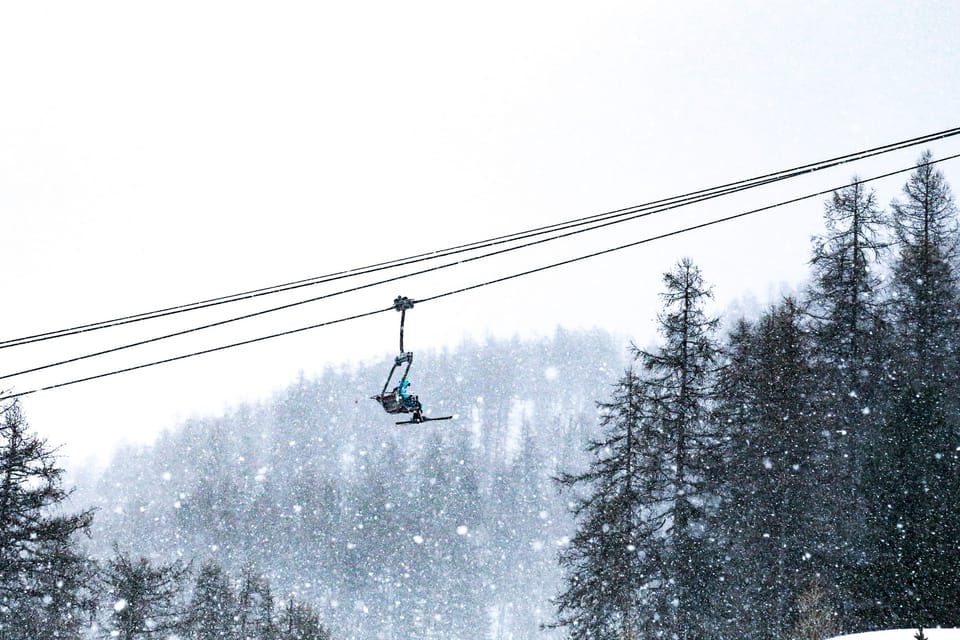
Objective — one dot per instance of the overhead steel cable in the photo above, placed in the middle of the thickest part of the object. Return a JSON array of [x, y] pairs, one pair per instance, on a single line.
[[655, 206], [193, 354], [677, 232], [460, 290], [578, 229]]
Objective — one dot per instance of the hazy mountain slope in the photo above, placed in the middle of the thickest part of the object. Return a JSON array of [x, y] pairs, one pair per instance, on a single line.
[[397, 531]]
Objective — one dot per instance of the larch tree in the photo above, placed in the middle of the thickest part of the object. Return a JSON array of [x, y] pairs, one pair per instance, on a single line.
[[850, 338], [613, 563], [912, 475], [640, 561], [143, 598], [768, 520], [682, 375], [213, 613], [42, 572]]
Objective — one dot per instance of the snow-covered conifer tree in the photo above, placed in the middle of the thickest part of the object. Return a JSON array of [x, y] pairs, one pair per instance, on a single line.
[[639, 563], [614, 562], [213, 613], [850, 331], [142, 598], [42, 574], [912, 476], [770, 521], [255, 617]]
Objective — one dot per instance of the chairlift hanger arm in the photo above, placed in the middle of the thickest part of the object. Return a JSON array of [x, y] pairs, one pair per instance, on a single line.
[[397, 400], [401, 304]]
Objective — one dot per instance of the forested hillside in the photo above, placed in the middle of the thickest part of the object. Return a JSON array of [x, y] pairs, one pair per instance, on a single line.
[[433, 530]]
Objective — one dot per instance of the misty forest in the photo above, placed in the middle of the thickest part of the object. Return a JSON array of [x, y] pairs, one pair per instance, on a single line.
[[789, 474]]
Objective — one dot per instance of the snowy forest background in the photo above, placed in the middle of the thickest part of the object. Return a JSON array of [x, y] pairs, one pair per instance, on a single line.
[[790, 474]]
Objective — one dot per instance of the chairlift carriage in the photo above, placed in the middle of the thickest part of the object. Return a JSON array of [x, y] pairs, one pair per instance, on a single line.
[[398, 400]]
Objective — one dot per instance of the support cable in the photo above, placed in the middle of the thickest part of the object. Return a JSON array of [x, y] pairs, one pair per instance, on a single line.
[[648, 208], [604, 222], [482, 284]]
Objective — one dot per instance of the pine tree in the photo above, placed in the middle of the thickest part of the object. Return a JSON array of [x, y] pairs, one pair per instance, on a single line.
[[42, 590], [770, 517], [925, 277], [143, 598], [255, 617], [850, 331], [613, 562], [912, 475], [847, 319], [682, 375], [844, 302], [213, 613], [640, 561], [299, 621]]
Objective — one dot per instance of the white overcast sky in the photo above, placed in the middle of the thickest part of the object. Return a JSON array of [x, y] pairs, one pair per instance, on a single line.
[[154, 154]]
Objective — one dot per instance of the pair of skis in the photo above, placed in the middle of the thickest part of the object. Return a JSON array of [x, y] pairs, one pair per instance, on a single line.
[[423, 419]]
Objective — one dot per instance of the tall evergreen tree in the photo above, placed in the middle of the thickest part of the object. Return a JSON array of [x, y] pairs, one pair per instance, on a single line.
[[41, 570], [682, 374], [846, 282], [614, 561], [213, 612], [639, 562], [846, 314], [925, 278], [850, 331], [143, 598], [912, 476], [299, 621], [770, 518], [255, 617]]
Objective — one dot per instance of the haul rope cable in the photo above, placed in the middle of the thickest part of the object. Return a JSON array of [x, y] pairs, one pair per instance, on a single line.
[[368, 285], [691, 197], [475, 286], [608, 220]]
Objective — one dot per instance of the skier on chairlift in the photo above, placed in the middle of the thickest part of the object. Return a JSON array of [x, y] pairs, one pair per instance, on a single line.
[[399, 399]]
